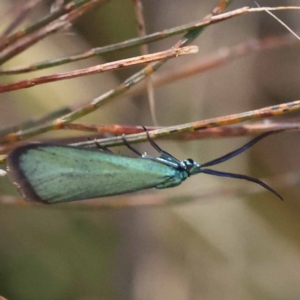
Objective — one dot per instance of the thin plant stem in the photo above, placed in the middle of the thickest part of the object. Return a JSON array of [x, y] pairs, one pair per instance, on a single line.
[[138, 5], [140, 40], [103, 99], [115, 65], [23, 43], [43, 22], [266, 112]]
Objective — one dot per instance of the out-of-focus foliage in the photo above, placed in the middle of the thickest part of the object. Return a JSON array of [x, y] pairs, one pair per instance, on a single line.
[[223, 247]]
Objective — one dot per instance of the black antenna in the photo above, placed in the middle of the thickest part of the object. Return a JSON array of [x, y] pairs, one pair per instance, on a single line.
[[239, 150], [233, 154], [241, 176]]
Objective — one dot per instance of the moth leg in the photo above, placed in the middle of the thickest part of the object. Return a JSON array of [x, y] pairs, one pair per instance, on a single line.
[[171, 182], [130, 147], [152, 143], [99, 146], [163, 154]]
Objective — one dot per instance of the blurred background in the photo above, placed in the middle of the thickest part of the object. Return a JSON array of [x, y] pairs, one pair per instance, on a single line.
[[223, 245]]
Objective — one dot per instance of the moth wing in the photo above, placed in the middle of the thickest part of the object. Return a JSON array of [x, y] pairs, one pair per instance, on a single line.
[[54, 174]]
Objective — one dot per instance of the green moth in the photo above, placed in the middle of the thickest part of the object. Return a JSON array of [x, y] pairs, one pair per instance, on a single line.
[[51, 173]]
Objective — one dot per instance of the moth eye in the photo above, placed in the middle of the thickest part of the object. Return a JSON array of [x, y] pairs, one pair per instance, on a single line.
[[190, 161]]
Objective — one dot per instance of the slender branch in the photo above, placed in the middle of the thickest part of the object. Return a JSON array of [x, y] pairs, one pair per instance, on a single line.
[[224, 131], [209, 20], [21, 15], [100, 132], [221, 57], [28, 40], [265, 112], [101, 100], [44, 21], [138, 5], [119, 64]]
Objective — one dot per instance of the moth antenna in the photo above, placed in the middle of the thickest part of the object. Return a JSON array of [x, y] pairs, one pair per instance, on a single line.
[[241, 176], [239, 150]]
